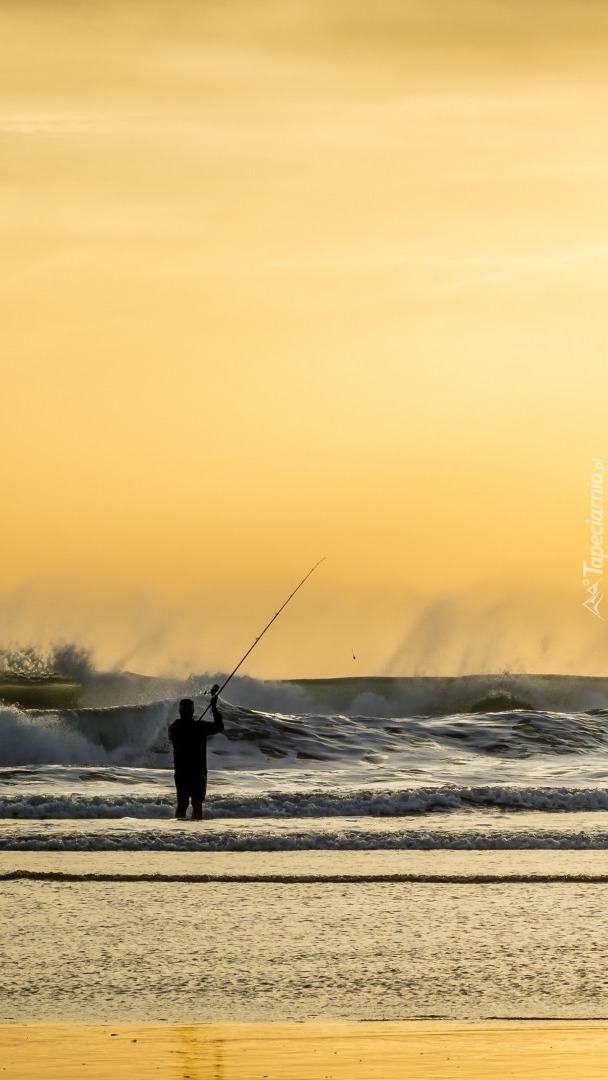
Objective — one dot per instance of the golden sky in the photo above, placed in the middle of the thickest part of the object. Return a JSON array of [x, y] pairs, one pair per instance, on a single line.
[[283, 280]]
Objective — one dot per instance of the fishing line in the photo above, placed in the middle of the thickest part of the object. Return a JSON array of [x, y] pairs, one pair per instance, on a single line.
[[216, 690]]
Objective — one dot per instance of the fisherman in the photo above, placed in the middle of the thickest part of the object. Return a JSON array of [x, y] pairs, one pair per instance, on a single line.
[[189, 738]]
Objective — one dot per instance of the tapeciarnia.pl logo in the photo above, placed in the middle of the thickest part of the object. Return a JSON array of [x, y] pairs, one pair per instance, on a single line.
[[593, 570]]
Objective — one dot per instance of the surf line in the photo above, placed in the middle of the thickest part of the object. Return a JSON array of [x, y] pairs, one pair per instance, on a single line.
[[308, 879], [216, 690]]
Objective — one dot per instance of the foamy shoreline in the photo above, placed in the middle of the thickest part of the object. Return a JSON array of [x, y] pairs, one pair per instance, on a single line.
[[309, 1051]]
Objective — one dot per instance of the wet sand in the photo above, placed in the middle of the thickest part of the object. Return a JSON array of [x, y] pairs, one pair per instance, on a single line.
[[310, 1051]]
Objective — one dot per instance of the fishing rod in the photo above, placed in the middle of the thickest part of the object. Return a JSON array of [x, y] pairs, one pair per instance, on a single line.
[[216, 689]]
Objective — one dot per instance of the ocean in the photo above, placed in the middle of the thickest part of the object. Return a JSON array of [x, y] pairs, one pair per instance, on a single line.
[[372, 849]]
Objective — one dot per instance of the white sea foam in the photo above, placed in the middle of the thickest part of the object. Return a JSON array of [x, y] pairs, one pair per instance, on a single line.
[[44, 740], [286, 805], [322, 835], [81, 737]]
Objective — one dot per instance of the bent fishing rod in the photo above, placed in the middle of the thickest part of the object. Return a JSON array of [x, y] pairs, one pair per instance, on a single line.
[[216, 690]]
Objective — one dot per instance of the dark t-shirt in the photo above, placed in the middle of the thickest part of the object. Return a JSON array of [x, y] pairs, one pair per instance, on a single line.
[[189, 738]]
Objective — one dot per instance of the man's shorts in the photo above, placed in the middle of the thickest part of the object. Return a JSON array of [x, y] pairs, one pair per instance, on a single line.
[[190, 785]]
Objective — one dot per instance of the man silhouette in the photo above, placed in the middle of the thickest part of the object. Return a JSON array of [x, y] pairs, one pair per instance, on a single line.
[[189, 739]]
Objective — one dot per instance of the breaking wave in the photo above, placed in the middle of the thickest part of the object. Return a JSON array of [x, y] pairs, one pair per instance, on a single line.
[[410, 802], [176, 838], [137, 735]]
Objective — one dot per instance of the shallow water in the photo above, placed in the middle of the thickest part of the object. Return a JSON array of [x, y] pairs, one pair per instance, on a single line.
[[188, 951]]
